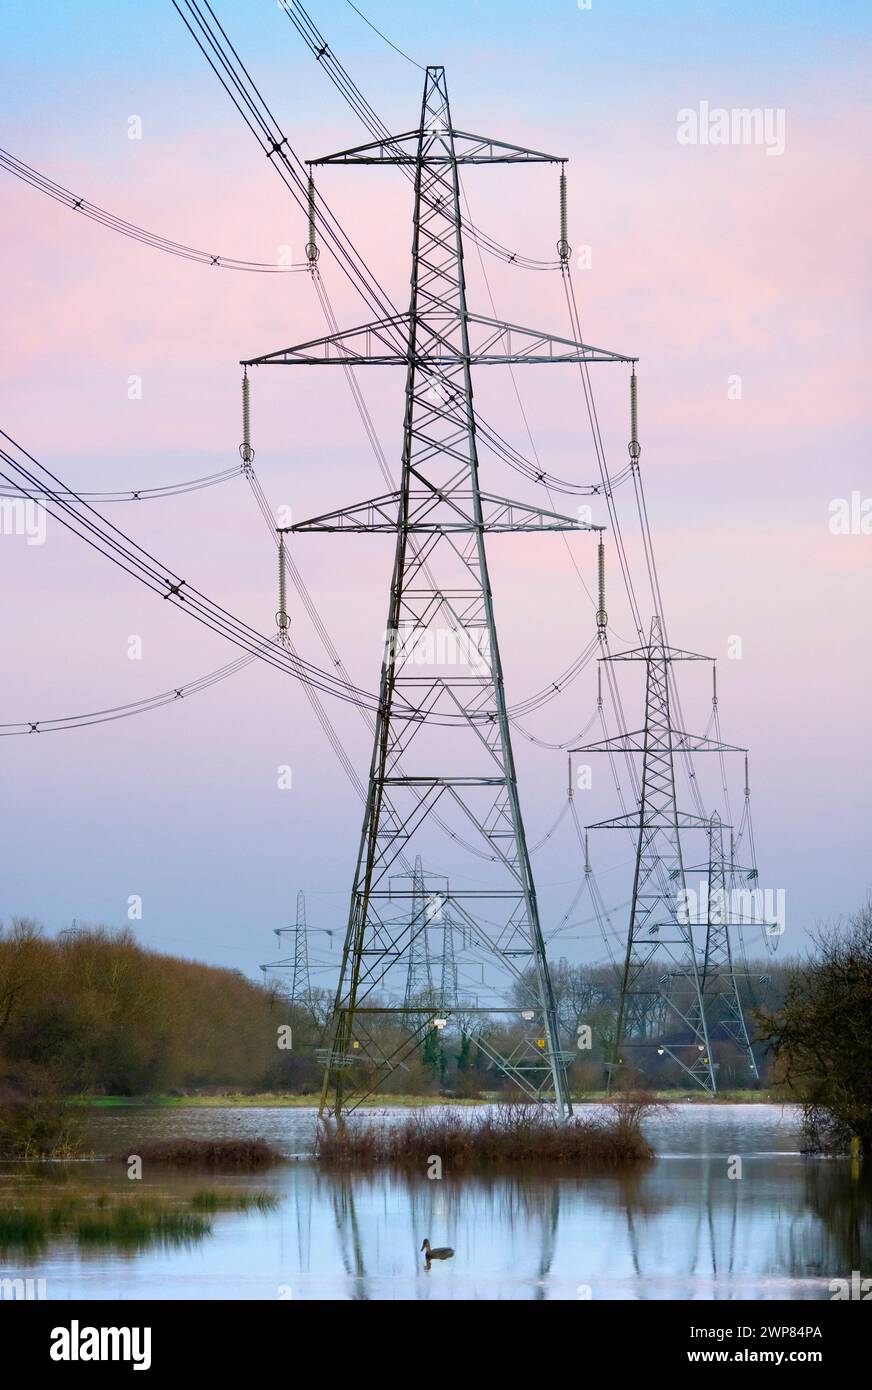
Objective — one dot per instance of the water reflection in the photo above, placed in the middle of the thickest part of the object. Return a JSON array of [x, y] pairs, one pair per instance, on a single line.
[[679, 1227], [784, 1230]]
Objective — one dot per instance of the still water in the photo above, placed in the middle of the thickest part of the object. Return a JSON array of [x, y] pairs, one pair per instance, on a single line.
[[679, 1228]]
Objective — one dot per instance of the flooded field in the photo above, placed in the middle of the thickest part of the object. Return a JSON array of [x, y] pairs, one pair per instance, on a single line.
[[678, 1228]]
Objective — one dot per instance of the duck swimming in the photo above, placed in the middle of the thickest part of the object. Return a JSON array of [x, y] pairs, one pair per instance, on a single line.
[[442, 1252]]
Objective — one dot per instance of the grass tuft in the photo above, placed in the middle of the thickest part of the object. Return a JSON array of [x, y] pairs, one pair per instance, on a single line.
[[100, 1220], [129, 1223], [211, 1200]]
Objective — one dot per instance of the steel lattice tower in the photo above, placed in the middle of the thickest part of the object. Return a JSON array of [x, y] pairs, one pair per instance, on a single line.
[[661, 1002], [419, 976], [448, 990], [720, 992], [301, 985], [297, 965], [442, 737]]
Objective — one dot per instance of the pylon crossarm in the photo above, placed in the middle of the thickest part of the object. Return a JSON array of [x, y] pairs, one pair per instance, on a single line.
[[438, 512], [512, 342], [681, 743], [351, 347], [440, 145], [660, 653], [437, 344], [685, 820]]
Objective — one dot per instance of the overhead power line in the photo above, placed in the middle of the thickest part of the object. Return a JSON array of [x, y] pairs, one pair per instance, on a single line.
[[33, 481], [389, 43], [44, 184], [139, 494], [113, 712], [223, 59], [351, 93]]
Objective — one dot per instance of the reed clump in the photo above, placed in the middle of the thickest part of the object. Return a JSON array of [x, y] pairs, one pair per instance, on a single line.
[[209, 1155], [99, 1220], [512, 1135]]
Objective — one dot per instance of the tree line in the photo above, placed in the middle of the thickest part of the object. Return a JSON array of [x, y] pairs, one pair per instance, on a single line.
[[93, 1012]]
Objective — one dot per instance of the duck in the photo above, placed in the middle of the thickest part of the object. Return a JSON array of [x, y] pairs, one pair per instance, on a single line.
[[442, 1252]]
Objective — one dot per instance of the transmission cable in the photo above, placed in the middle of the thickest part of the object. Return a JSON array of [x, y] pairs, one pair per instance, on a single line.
[[44, 184], [141, 494], [375, 30], [351, 93], [103, 716], [234, 77]]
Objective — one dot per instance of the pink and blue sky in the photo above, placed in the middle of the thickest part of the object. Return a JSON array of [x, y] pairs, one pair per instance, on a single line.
[[707, 262]]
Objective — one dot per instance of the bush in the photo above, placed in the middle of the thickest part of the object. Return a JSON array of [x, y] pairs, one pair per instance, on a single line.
[[507, 1134], [34, 1120], [820, 1037], [215, 1155]]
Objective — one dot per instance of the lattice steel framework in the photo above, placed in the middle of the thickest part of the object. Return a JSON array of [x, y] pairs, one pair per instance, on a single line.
[[419, 974], [719, 988], [448, 981], [661, 1001], [296, 966], [442, 736]]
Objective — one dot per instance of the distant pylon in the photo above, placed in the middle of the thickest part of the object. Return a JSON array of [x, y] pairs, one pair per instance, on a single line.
[[301, 985], [448, 974], [419, 976], [299, 989], [660, 1004], [720, 993]]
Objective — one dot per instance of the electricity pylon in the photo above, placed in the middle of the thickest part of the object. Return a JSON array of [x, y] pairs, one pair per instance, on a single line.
[[301, 985], [661, 983], [720, 992], [448, 989], [442, 734], [419, 976], [297, 966]]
